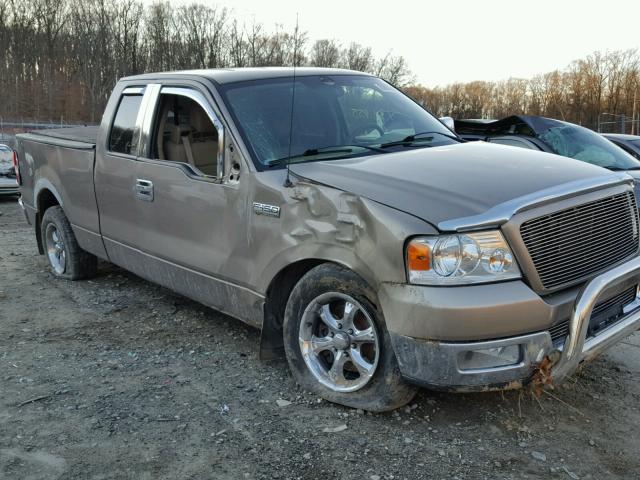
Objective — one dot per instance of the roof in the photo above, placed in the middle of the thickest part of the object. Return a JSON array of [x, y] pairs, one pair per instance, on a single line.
[[621, 136], [231, 75]]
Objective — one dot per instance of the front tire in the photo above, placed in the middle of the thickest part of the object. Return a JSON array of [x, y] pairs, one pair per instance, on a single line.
[[66, 258], [337, 344]]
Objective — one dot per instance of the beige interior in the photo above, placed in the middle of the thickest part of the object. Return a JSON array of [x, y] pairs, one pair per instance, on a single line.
[[195, 142]]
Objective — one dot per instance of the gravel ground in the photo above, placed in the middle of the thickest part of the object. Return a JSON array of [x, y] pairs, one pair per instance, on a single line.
[[116, 378]]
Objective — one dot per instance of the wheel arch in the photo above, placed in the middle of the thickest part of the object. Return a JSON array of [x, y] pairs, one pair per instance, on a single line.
[[45, 198], [277, 296]]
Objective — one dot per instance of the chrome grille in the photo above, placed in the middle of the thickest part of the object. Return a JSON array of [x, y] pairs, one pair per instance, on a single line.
[[605, 313], [572, 244]]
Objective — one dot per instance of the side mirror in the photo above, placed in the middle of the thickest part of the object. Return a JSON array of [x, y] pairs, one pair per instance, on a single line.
[[449, 123]]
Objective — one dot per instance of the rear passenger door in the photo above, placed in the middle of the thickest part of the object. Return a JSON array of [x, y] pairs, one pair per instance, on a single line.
[[191, 214], [115, 173]]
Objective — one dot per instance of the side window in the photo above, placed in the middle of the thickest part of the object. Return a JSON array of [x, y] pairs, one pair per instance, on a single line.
[[183, 132], [627, 149], [121, 136], [512, 142]]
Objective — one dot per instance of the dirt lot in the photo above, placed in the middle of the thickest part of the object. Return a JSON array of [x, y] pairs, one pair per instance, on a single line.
[[118, 378]]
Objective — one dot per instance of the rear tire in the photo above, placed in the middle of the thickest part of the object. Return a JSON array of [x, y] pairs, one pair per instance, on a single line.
[[337, 344], [66, 258]]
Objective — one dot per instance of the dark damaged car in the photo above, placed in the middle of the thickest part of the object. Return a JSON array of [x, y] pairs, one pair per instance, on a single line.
[[366, 241], [553, 136]]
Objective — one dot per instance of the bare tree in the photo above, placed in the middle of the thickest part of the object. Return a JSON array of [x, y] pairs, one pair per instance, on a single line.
[[395, 70], [357, 57], [60, 58], [325, 53]]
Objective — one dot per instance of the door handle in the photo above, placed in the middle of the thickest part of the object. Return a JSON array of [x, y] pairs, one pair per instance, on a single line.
[[144, 190]]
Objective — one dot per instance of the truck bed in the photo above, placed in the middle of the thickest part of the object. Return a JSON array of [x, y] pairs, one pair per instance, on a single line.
[[88, 135]]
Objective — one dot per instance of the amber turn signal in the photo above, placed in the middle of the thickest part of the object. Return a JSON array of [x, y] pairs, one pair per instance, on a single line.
[[418, 256]]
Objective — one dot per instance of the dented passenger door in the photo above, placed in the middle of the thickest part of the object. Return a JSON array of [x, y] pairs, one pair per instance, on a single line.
[[191, 223]]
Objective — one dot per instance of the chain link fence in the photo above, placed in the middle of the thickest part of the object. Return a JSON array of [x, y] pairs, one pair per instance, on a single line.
[[618, 123]]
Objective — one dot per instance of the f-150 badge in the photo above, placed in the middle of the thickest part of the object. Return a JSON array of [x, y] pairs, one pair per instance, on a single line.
[[265, 209]]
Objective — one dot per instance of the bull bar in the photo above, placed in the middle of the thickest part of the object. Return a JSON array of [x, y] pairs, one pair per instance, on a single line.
[[577, 347]]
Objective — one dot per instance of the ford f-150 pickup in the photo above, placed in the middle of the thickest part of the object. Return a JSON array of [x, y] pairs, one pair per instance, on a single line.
[[367, 241]]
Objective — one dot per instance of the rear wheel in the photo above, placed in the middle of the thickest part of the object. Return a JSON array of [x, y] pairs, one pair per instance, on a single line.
[[336, 342], [66, 258]]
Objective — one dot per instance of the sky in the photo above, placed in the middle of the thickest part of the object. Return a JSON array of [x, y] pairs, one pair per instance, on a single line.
[[463, 40]]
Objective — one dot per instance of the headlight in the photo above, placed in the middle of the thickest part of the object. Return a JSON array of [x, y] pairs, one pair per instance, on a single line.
[[477, 257]]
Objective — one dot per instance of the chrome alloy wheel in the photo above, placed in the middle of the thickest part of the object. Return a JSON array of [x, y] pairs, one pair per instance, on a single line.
[[339, 342], [55, 249]]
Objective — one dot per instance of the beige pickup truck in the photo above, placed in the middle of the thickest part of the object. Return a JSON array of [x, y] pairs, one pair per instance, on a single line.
[[367, 241]]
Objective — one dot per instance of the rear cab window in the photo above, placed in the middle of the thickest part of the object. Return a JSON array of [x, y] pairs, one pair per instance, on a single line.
[[124, 124]]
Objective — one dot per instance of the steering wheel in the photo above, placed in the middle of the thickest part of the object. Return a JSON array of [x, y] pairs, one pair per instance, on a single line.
[[365, 129]]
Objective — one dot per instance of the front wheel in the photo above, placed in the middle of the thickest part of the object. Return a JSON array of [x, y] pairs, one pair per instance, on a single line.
[[336, 342], [66, 258]]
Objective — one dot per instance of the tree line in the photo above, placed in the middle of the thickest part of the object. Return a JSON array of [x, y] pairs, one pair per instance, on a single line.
[[59, 59], [602, 87]]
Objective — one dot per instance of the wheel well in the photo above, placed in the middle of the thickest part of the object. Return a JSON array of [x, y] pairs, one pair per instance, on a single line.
[[271, 342], [45, 200]]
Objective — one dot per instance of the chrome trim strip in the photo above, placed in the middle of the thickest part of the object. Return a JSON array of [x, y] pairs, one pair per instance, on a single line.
[[201, 100], [133, 91], [503, 212], [577, 346], [144, 124]]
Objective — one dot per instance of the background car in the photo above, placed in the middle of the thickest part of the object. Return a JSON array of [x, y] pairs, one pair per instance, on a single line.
[[629, 143], [6, 160], [8, 181], [553, 136]]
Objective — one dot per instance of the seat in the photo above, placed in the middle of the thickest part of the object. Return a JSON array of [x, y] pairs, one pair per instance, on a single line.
[[194, 142], [203, 141], [174, 147]]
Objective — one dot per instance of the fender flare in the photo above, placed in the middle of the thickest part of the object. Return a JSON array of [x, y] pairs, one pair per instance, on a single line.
[[44, 184]]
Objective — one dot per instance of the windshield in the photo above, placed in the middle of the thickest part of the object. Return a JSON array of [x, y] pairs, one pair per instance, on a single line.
[[583, 144], [336, 116]]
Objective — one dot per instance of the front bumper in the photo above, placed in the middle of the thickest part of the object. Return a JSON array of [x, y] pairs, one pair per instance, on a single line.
[[444, 364], [9, 190], [438, 365]]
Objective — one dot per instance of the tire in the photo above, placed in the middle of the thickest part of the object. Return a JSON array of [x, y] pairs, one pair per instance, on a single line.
[[353, 362], [66, 258]]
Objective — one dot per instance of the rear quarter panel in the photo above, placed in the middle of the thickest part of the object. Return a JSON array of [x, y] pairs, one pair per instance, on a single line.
[[66, 170]]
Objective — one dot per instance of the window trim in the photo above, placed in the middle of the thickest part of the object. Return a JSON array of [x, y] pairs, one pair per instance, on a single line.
[[149, 120], [135, 146]]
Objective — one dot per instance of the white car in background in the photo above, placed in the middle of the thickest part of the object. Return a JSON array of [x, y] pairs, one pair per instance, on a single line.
[[8, 180]]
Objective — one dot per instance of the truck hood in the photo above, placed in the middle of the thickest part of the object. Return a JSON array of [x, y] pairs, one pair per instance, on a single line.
[[450, 182]]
